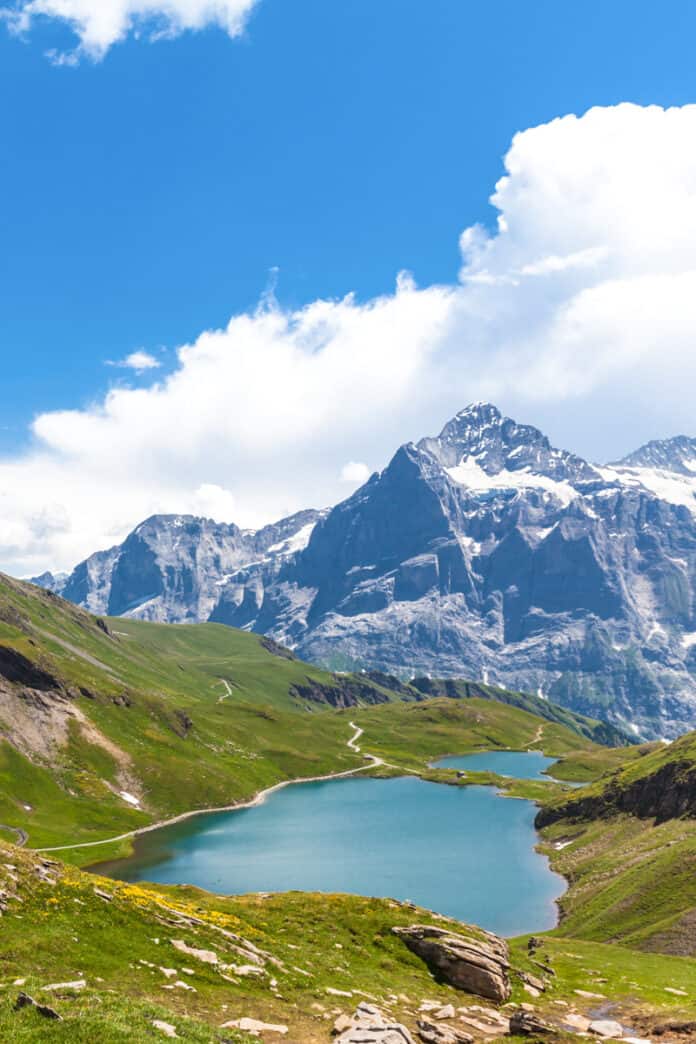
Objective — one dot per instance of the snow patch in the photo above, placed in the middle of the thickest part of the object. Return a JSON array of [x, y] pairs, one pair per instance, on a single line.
[[666, 485], [129, 798], [470, 475], [297, 542]]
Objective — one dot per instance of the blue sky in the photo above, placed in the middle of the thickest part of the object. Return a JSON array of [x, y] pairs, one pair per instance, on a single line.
[[155, 193], [146, 197]]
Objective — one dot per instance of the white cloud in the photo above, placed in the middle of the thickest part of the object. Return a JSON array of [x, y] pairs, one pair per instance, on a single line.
[[577, 313], [139, 361], [99, 24], [355, 472]]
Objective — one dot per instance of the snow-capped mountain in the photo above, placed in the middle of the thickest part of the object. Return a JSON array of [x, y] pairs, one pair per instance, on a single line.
[[484, 552]]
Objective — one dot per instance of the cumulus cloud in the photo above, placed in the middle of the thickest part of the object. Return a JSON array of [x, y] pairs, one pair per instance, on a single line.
[[576, 312], [99, 24], [355, 472], [139, 361]]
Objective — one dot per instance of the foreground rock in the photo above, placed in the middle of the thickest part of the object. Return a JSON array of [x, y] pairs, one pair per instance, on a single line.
[[439, 1033], [606, 1028], [25, 1001], [528, 1024], [369, 1026], [475, 963], [255, 1027]]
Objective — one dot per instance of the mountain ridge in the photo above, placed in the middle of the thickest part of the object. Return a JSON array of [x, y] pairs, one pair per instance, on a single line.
[[482, 552]]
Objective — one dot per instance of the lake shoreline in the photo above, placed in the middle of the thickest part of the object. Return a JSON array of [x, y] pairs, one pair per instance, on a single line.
[[431, 845]]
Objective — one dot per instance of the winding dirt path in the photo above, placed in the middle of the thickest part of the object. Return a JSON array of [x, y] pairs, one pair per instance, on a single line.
[[373, 762], [538, 737], [21, 835]]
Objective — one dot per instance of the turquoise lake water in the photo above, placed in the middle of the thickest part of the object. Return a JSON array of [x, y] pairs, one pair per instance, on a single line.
[[462, 851], [519, 764]]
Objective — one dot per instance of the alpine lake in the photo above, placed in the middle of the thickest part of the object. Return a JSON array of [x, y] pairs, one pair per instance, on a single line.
[[465, 852]]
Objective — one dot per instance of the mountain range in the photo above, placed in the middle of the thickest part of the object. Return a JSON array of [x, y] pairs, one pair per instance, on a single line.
[[484, 552]]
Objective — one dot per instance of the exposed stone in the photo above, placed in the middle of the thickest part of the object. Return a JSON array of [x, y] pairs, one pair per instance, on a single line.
[[436, 1033], [206, 956], [446, 1012], [255, 1027], [528, 1024], [577, 1022], [165, 1027], [534, 981], [370, 1026], [25, 1001], [76, 984], [342, 1023], [475, 963], [606, 1028]]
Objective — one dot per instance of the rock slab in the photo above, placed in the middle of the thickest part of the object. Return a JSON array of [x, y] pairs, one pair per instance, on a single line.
[[478, 963], [370, 1026]]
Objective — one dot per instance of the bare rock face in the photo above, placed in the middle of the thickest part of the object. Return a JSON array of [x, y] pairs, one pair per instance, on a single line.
[[475, 963], [483, 552]]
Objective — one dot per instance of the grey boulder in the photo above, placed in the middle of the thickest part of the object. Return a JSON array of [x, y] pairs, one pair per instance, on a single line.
[[478, 963]]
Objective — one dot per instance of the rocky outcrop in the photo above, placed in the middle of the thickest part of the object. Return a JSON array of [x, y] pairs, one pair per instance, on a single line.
[[668, 793], [19, 670], [343, 692], [369, 1026], [478, 963]]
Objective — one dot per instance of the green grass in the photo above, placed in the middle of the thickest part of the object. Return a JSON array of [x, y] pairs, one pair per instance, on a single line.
[[192, 717], [144, 707], [630, 881], [63, 931]]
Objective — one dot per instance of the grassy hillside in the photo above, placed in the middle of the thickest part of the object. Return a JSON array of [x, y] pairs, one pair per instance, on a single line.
[[123, 943], [96, 714], [107, 726], [627, 844]]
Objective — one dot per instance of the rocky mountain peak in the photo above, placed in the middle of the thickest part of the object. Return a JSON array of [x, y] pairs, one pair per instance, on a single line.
[[677, 454], [481, 436]]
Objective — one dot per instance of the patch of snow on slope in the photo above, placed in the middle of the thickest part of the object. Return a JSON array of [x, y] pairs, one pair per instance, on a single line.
[[469, 474], [667, 485], [297, 542]]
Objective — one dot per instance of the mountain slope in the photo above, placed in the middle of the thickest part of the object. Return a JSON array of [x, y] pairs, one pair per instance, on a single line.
[[316, 956], [627, 843], [484, 552], [106, 726]]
